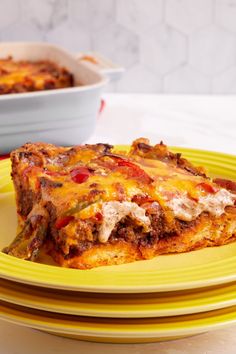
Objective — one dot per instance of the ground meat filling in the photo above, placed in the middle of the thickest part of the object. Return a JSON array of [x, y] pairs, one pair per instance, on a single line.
[[126, 230], [86, 232]]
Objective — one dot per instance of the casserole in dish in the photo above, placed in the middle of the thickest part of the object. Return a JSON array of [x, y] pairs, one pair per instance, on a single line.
[[63, 116], [28, 76]]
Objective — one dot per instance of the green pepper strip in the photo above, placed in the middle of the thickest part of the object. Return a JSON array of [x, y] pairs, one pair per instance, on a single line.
[[25, 246], [80, 206]]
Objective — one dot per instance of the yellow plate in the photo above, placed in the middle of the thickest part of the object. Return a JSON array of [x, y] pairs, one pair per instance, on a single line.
[[119, 305], [118, 330], [206, 267]]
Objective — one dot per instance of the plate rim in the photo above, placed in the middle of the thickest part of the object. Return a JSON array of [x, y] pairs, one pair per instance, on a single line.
[[35, 298], [143, 328]]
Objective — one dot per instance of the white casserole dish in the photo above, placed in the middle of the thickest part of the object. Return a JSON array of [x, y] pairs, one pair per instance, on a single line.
[[63, 116]]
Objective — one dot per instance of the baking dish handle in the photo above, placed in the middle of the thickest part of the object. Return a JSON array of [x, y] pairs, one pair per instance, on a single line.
[[100, 63]]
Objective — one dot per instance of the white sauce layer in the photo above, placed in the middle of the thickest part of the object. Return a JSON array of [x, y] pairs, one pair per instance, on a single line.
[[187, 209], [182, 206], [114, 211]]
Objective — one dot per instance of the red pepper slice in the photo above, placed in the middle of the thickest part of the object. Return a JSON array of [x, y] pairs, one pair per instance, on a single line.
[[60, 223], [54, 173], [135, 171], [207, 187], [141, 199], [80, 174], [126, 163], [98, 216], [226, 183]]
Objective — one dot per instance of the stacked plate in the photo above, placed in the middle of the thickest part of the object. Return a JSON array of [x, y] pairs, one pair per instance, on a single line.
[[164, 298]]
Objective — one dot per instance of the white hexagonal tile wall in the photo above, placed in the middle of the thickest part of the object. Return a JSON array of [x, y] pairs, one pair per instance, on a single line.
[[212, 50], [78, 11], [9, 12], [118, 43], [181, 56], [45, 14], [95, 14], [185, 79], [225, 13], [101, 13], [188, 15], [139, 15], [226, 82], [163, 49], [21, 32], [139, 79], [70, 36]]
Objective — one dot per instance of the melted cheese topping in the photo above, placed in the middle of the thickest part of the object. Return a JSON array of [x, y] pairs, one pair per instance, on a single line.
[[179, 191], [21, 75], [28, 73], [71, 192], [113, 212], [110, 191]]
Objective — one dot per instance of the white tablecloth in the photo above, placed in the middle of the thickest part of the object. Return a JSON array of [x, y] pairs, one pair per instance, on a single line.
[[206, 122]]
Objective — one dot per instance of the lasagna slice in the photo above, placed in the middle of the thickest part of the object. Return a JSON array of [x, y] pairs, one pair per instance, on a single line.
[[27, 76], [92, 205]]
